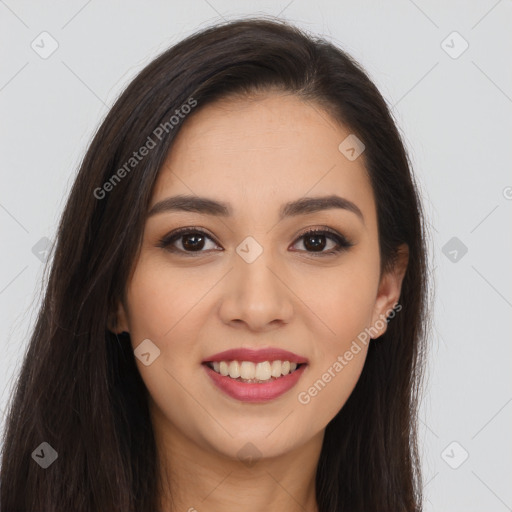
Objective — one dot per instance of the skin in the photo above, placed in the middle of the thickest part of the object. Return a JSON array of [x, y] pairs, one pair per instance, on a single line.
[[255, 154]]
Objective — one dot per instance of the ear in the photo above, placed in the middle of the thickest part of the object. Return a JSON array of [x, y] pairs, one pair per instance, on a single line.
[[389, 290], [117, 321]]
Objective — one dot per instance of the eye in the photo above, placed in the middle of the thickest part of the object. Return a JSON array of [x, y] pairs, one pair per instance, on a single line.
[[314, 239], [193, 240]]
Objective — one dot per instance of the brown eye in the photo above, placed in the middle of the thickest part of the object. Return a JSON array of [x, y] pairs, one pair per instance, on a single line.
[[191, 240], [315, 241]]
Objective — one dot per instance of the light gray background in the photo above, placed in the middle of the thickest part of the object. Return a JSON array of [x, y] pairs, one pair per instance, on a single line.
[[455, 114]]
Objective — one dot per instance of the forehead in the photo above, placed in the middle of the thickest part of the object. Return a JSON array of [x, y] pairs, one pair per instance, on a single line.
[[272, 146]]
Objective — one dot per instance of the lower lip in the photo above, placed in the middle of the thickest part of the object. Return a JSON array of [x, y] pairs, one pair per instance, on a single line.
[[255, 392]]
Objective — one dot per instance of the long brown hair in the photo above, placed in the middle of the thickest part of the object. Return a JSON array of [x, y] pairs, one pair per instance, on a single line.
[[79, 389]]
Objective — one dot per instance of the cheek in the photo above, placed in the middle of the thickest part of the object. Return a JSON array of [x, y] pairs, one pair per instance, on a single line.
[[341, 301], [163, 304], [343, 308], [327, 387], [339, 355], [159, 299], [166, 306]]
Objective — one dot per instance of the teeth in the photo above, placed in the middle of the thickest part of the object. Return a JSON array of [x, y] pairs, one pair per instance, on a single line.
[[224, 368], [263, 371], [276, 369], [234, 369], [249, 371]]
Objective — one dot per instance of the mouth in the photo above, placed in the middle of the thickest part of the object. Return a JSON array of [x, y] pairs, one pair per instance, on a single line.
[[247, 381]]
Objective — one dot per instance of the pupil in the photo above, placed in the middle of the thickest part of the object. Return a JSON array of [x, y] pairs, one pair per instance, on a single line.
[[316, 244], [194, 245]]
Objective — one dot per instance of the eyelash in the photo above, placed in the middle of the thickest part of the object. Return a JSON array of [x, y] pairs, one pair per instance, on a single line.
[[342, 243]]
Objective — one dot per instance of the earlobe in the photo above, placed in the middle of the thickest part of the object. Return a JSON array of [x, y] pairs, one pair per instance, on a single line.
[[390, 287]]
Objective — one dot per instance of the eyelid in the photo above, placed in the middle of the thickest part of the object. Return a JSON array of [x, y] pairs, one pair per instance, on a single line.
[[323, 229], [168, 240]]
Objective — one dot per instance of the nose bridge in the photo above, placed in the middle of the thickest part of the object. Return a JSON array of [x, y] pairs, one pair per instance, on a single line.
[[253, 266], [256, 294]]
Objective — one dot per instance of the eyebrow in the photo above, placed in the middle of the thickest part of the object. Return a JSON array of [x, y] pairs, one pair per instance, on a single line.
[[206, 206]]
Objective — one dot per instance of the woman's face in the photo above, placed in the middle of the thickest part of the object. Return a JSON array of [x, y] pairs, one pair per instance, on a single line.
[[253, 281]]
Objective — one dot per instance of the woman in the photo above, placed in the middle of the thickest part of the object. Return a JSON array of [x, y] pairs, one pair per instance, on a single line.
[[235, 315]]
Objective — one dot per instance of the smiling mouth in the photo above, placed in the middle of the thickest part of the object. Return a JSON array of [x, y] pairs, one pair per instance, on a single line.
[[254, 373]]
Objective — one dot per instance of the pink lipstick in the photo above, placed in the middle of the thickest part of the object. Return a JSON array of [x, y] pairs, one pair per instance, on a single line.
[[287, 368]]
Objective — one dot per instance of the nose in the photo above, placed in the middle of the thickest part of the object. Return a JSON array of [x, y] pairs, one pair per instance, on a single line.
[[256, 294]]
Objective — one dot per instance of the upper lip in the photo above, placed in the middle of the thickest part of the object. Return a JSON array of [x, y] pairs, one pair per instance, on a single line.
[[256, 356]]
